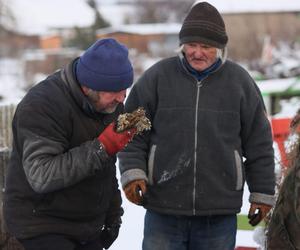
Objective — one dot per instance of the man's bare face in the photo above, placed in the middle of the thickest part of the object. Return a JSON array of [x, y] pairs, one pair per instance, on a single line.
[[200, 56], [105, 102]]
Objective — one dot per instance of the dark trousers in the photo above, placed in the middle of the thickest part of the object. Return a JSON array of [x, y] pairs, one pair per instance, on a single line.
[[58, 242], [167, 232]]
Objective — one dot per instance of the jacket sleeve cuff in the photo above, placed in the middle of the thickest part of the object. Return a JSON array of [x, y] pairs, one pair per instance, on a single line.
[[262, 198], [131, 175]]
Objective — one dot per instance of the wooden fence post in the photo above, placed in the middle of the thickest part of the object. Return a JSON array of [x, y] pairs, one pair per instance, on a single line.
[[6, 115]]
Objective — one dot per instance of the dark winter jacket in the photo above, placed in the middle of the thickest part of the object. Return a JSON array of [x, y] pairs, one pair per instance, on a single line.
[[59, 179], [284, 226], [192, 159]]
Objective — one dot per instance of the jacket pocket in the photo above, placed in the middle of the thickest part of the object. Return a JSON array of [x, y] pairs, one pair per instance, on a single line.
[[239, 170], [151, 164]]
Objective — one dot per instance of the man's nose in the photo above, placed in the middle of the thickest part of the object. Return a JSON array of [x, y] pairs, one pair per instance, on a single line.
[[198, 52]]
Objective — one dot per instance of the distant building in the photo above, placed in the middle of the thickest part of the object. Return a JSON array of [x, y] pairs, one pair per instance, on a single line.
[[248, 23], [248, 31], [45, 62], [13, 43], [156, 39], [51, 42]]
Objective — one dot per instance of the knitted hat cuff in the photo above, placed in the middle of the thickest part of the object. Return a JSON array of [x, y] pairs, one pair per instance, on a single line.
[[202, 24], [190, 39]]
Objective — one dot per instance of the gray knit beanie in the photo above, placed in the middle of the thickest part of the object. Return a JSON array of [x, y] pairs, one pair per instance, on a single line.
[[204, 24]]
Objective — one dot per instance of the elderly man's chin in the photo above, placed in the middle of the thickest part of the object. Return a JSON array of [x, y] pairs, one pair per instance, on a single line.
[[108, 110]]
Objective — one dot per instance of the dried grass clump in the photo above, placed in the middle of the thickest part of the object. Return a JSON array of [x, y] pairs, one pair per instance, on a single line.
[[137, 119]]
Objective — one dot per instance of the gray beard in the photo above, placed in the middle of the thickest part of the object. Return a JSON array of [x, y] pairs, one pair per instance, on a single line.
[[94, 98], [108, 110]]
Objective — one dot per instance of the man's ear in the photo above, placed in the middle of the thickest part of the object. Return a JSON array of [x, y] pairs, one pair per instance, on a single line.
[[85, 90]]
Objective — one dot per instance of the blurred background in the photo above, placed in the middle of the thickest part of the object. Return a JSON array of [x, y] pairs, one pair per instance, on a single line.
[[37, 37]]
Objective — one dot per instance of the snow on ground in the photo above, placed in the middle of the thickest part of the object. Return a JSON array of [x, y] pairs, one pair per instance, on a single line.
[[131, 232], [288, 107], [244, 238], [11, 81]]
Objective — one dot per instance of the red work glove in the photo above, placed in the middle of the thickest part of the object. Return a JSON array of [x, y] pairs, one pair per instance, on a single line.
[[135, 191], [257, 212], [113, 141]]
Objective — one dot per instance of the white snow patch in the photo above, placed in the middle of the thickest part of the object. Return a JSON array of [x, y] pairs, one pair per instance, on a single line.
[[11, 78], [258, 6], [38, 16]]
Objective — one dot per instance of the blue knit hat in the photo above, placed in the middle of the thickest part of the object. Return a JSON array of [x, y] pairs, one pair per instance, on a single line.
[[105, 67]]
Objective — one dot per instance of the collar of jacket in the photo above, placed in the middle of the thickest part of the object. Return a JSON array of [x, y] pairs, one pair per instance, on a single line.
[[69, 78], [203, 74]]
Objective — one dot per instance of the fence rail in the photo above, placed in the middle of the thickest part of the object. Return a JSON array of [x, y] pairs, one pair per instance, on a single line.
[[6, 115]]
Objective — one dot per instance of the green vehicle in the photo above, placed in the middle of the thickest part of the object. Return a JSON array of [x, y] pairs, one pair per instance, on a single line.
[[281, 96]]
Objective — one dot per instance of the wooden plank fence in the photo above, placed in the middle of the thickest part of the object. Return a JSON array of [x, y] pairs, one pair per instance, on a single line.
[[6, 115]]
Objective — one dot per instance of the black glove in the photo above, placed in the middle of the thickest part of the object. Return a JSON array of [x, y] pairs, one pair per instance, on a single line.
[[109, 234]]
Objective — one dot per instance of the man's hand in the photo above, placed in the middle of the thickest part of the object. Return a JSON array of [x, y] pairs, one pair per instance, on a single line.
[[135, 191], [109, 234], [113, 141], [258, 212]]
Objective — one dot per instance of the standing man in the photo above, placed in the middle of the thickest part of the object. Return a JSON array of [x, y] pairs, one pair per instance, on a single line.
[[210, 134], [61, 190]]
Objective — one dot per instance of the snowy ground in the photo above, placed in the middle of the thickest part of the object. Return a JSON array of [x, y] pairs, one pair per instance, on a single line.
[[11, 79]]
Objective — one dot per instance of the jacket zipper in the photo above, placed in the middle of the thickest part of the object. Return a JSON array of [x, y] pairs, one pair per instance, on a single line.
[[199, 85]]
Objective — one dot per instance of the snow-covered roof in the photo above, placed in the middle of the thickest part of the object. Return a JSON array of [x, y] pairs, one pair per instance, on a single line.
[[144, 29], [245, 6], [38, 16]]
